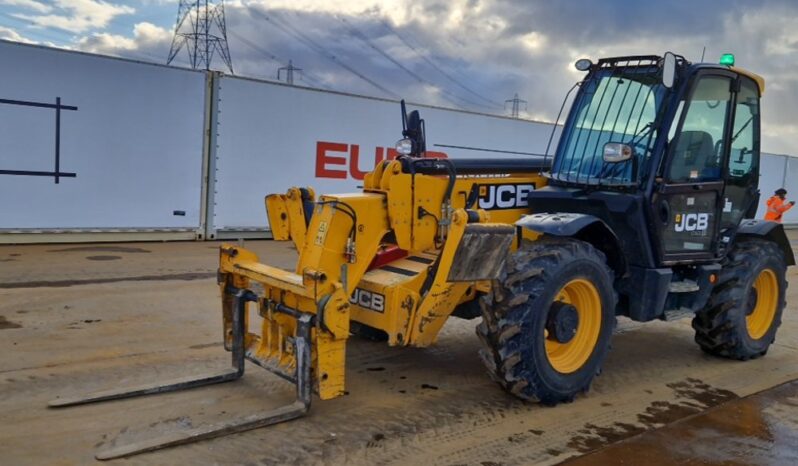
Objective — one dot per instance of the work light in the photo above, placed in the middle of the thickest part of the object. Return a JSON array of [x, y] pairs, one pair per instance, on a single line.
[[727, 59]]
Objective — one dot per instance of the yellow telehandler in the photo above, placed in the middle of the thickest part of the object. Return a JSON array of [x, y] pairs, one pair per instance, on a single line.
[[644, 211]]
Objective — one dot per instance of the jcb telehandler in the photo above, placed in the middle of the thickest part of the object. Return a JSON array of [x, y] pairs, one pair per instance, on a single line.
[[645, 211]]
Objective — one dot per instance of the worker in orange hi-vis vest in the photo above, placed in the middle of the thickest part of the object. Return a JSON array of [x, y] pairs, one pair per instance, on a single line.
[[777, 206]]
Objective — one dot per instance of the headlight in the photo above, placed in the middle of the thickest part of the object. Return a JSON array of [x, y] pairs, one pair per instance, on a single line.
[[404, 146]]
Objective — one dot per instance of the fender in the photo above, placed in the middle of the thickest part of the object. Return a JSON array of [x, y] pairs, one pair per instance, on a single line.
[[768, 230], [584, 227]]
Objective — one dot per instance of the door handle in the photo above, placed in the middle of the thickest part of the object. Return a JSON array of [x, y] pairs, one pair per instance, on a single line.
[[664, 212]]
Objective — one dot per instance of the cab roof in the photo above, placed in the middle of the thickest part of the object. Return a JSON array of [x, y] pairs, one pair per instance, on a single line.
[[654, 60], [759, 80]]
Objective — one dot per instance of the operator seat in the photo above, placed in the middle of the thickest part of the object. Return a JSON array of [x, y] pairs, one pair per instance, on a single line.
[[695, 152]]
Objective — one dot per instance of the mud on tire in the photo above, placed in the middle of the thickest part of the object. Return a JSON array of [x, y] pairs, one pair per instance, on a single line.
[[515, 314], [720, 328]]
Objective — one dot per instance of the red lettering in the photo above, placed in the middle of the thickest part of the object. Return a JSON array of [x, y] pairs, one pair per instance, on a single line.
[[326, 163], [354, 161], [379, 154], [322, 159]]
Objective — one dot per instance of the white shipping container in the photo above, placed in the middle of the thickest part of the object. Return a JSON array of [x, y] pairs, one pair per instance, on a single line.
[[272, 137], [130, 142]]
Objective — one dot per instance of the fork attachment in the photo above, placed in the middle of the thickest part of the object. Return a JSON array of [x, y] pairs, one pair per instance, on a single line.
[[302, 348]]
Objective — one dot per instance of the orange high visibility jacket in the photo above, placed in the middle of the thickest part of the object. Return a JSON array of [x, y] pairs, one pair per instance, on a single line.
[[776, 207]]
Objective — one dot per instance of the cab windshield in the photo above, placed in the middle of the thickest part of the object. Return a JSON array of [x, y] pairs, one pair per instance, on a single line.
[[614, 105]]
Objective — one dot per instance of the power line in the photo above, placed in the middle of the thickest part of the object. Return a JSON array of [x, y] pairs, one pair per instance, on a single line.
[[436, 67], [365, 39], [306, 75], [313, 45]]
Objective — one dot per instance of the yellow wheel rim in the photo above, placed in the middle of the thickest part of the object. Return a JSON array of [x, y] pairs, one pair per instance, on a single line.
[[760, 319], [568, 357]]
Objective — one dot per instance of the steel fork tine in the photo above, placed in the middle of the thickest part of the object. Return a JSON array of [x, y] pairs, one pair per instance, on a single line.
[[181, 383], [289, 412]]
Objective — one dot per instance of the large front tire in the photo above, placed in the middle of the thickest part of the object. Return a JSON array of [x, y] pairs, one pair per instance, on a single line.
[[548, 320], [744, 311]]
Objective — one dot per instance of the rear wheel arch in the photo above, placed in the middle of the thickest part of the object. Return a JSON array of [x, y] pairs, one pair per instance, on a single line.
[[770, 231]]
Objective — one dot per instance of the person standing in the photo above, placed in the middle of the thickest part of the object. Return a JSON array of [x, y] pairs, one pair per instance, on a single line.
[[777, 206]]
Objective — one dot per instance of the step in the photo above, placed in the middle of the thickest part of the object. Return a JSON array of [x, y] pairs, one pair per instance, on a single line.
[[684, 286], [676, 314]]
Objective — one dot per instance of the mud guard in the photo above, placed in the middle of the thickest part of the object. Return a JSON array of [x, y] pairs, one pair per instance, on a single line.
[[768, 230], [584, 227], [481, 252]]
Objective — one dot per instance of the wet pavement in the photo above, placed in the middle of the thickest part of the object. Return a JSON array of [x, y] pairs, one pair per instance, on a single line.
[[96, 316], [760, 429]]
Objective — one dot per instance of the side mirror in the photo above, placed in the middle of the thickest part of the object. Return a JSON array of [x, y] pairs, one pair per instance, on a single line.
[[668, 70], [414, 141], [615, 152]]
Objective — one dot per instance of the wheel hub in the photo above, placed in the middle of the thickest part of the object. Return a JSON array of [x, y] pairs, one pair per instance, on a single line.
[[562, 322]]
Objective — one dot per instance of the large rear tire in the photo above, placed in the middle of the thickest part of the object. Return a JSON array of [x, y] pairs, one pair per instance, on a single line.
[[548, 320], [744, 310]]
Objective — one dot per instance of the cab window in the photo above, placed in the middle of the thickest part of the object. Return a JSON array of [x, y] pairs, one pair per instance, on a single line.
[[743, 164], [744, 156], [698, 146]]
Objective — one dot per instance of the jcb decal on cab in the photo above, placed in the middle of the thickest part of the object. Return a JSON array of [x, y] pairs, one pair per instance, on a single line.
[[368, 300], [691, 222], [504, 196]]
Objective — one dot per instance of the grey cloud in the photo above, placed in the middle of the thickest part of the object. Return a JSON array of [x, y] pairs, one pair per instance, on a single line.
[[486, 52]]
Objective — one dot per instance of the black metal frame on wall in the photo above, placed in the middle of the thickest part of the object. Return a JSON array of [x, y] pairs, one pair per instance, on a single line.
[[57, 174]]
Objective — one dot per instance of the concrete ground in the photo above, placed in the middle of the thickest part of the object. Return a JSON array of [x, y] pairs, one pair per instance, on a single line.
[[86, 317]]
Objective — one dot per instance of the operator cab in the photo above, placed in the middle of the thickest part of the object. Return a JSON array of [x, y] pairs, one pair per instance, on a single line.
[[664, 151]]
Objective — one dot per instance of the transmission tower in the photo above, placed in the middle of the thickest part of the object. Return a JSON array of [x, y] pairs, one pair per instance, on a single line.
[[200, 27], [516, 105], [289, 72]]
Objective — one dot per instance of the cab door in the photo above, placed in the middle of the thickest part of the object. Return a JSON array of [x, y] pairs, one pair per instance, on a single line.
[[687, 200], [741, 194]]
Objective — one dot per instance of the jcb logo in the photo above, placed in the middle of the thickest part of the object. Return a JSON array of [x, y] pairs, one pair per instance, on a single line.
[[504, 196], [691, 222], [368, 299]]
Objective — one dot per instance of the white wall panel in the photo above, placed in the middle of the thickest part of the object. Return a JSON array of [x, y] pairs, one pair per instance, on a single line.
[[134, 142], [272, 137]]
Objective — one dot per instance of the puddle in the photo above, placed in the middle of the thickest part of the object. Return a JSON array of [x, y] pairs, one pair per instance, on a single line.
[[103, 258], [692, 397], [102, 249], [97, 281], [697, 390], [759, 429], [4, 324], [204, 345], [595, 437], [665, 412]]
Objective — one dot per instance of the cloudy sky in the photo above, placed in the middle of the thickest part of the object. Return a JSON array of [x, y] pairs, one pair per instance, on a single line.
[[471, 54]]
